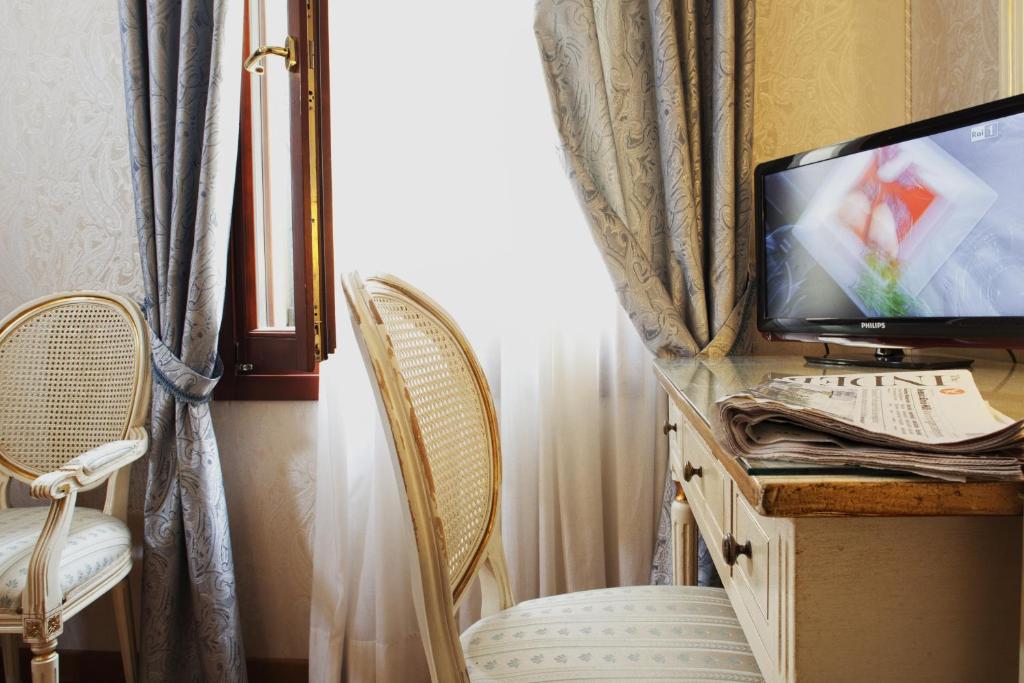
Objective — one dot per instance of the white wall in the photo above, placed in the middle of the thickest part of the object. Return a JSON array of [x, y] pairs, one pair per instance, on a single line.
[[67, 222]]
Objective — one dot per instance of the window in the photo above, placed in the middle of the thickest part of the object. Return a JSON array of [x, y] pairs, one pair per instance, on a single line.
[[278, 315]]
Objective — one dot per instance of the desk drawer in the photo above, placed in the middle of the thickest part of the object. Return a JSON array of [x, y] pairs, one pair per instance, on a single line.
[[753, 572], [675, 458], [757, 580], [708, 490]]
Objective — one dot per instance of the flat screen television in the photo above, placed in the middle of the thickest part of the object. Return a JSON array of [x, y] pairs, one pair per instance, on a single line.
[[910, 237]]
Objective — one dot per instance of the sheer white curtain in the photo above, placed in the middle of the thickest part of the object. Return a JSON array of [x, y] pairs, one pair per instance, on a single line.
[[448, 174]]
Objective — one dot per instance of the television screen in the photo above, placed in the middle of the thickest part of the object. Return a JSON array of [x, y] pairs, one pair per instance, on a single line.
[[927, 227]]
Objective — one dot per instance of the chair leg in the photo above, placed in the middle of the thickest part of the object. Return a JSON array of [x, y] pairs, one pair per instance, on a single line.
[[12, 667], [45, 663], [125, 628]]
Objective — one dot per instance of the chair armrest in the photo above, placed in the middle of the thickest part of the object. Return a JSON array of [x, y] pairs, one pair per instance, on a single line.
[[91, 467], [42, 620]]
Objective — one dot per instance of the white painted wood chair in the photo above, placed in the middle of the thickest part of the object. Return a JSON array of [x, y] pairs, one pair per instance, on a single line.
[[74, 396], [441, 425]]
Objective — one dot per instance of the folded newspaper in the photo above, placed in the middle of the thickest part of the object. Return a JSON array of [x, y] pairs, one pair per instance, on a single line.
[[932, 423]]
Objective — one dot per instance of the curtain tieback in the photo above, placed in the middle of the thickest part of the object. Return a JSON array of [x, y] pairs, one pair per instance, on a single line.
[[181, 381]]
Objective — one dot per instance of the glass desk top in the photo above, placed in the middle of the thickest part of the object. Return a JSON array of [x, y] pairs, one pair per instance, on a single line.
[[695, 384]]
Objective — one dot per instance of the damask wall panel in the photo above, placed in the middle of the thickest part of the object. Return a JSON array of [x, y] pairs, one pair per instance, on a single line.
[[954, 56], [67, 221], [826, 71]]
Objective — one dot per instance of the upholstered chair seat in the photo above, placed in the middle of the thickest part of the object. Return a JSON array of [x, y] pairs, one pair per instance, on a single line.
[[641, 633], [97, 548]]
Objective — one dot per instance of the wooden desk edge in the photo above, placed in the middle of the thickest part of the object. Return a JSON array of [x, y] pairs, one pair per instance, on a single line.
[[850, 496]]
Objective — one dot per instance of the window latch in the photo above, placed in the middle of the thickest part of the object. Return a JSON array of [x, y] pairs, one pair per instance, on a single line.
[[253, 64]]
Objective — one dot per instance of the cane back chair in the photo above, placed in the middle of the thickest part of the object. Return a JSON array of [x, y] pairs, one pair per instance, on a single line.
[[443, 435], [74, 396]]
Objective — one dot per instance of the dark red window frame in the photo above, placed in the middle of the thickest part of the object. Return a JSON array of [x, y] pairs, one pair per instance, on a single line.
[[283, 365]]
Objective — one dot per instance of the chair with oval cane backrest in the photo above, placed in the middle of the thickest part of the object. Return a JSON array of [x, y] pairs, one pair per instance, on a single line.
[[74, 397], [437, 411]]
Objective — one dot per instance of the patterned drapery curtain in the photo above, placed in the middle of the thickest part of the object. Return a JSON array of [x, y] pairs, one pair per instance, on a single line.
[[654, 104], [182, 84], [653, 100]]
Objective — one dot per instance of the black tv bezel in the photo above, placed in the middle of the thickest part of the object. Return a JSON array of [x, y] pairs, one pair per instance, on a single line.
[[996, 332]]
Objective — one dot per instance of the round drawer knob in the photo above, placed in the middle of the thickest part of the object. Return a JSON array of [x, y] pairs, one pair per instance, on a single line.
[[689, 472], [732, 549], [669, 427]]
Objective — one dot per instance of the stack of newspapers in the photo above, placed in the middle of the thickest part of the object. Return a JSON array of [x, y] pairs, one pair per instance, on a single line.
[[932, 423]]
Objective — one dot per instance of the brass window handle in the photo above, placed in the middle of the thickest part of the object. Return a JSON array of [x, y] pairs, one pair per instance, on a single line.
[[291, 56], [689, 472], [732, 549]]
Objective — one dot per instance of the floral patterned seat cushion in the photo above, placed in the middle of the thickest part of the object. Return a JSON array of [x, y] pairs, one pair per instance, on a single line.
[[642, 633], [96, 542]]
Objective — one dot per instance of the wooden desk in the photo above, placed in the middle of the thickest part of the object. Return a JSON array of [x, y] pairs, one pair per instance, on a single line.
[[849, 578]]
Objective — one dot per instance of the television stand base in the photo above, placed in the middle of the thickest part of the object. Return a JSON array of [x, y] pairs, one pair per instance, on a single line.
[[893, 359]]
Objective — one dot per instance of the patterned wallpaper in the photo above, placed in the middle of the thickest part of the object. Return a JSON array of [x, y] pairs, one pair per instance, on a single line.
[[829, 70], [67, 222], [825, 71], [66, 216], [268, 452], [954, 55]]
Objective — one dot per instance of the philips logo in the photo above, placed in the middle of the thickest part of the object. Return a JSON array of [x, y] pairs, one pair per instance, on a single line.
[[872, 326]]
